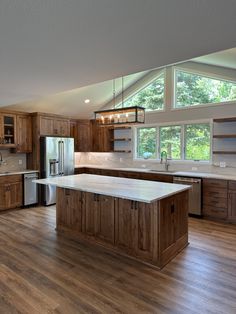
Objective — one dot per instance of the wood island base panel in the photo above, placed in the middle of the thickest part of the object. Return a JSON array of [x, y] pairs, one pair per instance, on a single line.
[[145, 220], [150, 232]]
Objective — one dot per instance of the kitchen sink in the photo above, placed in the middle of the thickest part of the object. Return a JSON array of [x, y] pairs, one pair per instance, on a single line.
[[162, 171]]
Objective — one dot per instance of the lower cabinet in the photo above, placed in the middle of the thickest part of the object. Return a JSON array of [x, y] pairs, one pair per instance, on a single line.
[[232, 201], [100, 217], [134, 228], [69, 209], [173, 225], [10, 192]]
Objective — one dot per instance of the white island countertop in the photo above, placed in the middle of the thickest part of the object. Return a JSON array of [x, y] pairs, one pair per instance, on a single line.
[[136, 190]]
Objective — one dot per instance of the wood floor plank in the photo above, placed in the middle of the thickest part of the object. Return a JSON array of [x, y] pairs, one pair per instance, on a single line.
[[45, 272]]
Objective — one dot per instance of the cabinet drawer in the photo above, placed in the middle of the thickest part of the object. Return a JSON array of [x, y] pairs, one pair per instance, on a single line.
[[214, 212], [223, 184], [11, 178], [219, 202], [232, 185], [215, 192]]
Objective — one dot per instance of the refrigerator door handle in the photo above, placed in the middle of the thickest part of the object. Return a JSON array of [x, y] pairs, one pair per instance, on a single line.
[[62, 157], [59, 157]]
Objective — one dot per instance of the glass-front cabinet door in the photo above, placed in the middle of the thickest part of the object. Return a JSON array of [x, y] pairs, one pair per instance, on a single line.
[[8, 130]]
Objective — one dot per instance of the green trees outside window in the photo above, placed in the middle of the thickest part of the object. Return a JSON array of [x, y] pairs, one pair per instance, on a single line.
[[146, 143], [193, 89], [197, 141], [181, 142], [150, 97], [170, 141]]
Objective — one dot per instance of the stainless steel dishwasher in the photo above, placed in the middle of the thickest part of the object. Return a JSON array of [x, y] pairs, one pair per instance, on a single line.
[[30, 189], [195, 203]]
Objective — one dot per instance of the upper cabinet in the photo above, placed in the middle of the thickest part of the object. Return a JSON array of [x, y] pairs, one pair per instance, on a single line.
[[23, 134], [7, 130], [90, 137], [50, 125]]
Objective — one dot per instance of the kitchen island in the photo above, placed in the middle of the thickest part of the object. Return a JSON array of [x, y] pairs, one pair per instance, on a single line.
[[146, 220]]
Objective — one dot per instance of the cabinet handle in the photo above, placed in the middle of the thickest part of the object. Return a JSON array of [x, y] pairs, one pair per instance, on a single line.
[[172, 208], [135, 205]]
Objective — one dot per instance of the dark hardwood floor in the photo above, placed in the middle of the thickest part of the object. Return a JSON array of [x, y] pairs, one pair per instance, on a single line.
[[42, 272]]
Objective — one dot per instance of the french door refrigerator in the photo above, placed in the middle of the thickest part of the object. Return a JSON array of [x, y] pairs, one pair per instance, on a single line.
[[56, 159]]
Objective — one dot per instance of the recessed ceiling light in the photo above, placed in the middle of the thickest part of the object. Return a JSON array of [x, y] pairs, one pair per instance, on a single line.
[[87, 101]]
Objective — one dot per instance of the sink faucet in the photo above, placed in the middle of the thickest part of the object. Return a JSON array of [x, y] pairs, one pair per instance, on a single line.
[[164, 160]]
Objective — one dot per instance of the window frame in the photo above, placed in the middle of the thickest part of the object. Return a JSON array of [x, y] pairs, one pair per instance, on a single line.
[[183, 145], [150, 81], [200, 73]]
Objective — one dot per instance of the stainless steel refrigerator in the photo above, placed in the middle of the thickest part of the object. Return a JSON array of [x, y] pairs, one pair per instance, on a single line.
[[56, 159]]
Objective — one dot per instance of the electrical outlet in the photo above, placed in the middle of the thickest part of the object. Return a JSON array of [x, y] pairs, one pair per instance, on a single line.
[[106, 158], [194, 168], [121, 159], [20, 162]]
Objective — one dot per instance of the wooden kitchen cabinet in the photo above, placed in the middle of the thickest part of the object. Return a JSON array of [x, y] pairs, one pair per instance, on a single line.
[[7, 130], [105, 219], [54, 126], [99, 217], [84, 136], [101, 138], [215, 198], [10, 192], [23, 134], [232, 201], [135, 228], [173, 214], [69, 209]]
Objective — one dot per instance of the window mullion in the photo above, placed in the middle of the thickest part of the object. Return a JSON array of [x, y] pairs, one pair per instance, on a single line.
[[183, 142]]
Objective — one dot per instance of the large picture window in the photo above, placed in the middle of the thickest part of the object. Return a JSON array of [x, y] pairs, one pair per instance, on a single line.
[[197, 141], [147, 143], [170, 141], [194, 89], [190, 141], [150, 97]]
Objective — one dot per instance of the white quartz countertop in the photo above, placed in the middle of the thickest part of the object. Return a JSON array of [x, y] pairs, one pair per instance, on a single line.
[[136, 190], [9, 173], [194, 174]]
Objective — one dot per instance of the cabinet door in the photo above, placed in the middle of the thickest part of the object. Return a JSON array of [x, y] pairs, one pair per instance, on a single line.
[[125, 225], [105, 223], [1, 129], [69, 209], [181, 215], [46, 126], [90, 215], [144, 232], [3, 196], [167, 223], [84, 136], [232, 206], [100, 138], [74, 134], [14, 195], [61, 127], [24, 134]]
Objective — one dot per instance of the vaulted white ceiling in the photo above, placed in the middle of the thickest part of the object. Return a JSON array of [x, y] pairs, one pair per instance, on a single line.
[[51, 46]]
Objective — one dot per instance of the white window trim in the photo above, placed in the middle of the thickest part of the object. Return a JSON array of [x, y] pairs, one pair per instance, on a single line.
[[200, 73], [182, 124]]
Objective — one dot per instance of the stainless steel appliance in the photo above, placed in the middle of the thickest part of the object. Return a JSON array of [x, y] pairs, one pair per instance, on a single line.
[[56, 159], [30, 188], [195, 204]]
